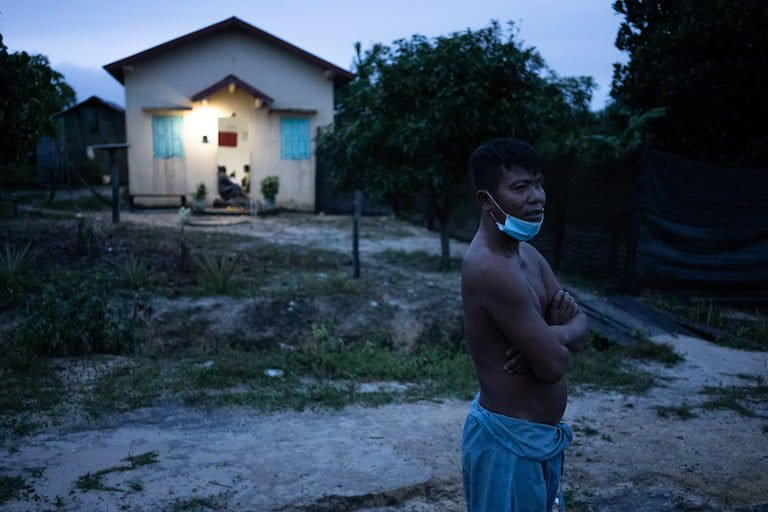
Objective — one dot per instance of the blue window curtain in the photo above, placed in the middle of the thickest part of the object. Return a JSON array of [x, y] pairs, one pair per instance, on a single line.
[[294, 138], [167, 137]]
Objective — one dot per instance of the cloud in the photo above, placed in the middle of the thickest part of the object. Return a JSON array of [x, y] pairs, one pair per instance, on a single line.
[[91, 81]]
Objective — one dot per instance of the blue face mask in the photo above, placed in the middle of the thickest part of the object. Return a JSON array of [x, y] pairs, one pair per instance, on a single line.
[[518, 229]]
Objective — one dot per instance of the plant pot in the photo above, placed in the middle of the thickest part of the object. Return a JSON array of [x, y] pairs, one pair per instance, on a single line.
[[270, 203], [198, 205]]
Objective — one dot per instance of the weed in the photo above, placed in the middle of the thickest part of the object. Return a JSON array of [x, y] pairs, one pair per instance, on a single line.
[[128, 387], [215, 271], [193, 505], [587, 431], [135, 273], [82, 204], [603, 365], [28, 389], [739, 399], [11, 487], [606, 437], [417, 260], [684, 412], [93, 481], [749, 332], [13, 262], [574, 500], [328, 373], [647, 350], [73, 316]]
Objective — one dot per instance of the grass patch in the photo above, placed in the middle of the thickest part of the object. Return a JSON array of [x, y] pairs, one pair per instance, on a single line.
[[417, 260], [740, 399], [11, 487], [647, 350], [194, 505], [318, 284], [684, 411], [94, 481], [748, 328], [130, 387], [587, 430], [81, 204], [604, 365], [329, 373], [575, 500]]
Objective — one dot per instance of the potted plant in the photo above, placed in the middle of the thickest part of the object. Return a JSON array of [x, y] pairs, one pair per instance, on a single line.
[[270, 186], [198, 198]]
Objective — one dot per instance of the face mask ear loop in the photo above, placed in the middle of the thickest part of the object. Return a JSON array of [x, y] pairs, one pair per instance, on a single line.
[[497, 206]]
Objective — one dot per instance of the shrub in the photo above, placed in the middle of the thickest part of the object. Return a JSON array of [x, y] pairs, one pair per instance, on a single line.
[[216, 271], [77, 317], [13, 262], [201, 191], [270, 186], [135, 273]]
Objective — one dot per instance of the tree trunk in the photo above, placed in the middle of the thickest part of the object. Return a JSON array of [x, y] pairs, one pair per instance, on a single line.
[[445, 248]]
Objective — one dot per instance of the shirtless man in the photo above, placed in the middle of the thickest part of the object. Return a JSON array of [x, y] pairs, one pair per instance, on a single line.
[[520, 327]]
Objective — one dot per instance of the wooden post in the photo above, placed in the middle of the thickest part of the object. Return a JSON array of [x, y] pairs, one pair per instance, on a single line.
[[358, 205], [115, 178]]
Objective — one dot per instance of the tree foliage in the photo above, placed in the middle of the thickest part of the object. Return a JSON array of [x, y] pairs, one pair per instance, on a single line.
[[30, 93], [406, 126], [706, 63]]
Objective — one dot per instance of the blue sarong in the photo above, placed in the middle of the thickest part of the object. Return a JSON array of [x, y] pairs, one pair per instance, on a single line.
[[511, 465]]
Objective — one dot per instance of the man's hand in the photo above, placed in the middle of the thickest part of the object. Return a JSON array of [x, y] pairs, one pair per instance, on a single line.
[[562, 308], [515, 362]]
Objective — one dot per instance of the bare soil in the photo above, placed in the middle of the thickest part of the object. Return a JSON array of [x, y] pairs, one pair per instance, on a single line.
[[397, 457]]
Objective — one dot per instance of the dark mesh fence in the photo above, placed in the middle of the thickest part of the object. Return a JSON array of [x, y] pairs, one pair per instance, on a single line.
[[700, 226], [657, 221]]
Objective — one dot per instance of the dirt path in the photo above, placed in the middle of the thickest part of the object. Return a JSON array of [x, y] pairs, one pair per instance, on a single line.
[[401, 457]]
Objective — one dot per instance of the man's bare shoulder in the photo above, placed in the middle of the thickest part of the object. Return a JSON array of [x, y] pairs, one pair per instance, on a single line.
[[489, 270]]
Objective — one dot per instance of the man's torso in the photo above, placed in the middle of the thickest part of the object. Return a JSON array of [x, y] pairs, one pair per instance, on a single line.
[[522, 395]]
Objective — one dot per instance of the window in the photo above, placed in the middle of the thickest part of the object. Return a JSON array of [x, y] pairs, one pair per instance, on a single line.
[[166, 137], [294, 138]]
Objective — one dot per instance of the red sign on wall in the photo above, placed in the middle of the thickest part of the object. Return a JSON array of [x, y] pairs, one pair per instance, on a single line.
[[228, 139]]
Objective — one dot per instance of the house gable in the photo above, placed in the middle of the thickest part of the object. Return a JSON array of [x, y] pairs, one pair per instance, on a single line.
[[117, 68]]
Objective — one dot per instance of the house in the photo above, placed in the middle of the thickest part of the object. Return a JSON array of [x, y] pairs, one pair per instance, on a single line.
[[229, 95], [93, 121]]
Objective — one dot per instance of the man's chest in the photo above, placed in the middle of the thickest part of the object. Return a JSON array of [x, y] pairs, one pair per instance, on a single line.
[[535, 283]]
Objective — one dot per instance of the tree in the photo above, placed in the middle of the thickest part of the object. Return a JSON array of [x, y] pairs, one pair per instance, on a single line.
[[406, 126], [706, 63], [30, 93]]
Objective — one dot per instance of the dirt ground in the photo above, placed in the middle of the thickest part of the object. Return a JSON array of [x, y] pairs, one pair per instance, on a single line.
[[402, 456]]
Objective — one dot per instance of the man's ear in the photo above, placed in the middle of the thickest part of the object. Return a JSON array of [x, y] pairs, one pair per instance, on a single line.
[[484, 199]]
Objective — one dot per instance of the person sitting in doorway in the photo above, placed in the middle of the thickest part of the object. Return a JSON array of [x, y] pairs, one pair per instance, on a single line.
[[246, 181], [228, 190]]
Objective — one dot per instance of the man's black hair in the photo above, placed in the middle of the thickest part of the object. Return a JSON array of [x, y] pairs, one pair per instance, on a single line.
[[492, 157]]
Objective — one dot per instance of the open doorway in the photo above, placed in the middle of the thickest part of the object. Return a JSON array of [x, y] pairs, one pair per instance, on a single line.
[[233, 151]]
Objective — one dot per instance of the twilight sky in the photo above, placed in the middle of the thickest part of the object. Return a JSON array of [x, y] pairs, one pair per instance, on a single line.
[[575, 37]]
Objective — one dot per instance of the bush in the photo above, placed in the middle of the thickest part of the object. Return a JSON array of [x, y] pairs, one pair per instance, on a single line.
[[270, 186], [13, 262], [77, 317], [215, 271]]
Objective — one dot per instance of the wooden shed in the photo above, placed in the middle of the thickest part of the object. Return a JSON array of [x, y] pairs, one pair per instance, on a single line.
[[93, 121]]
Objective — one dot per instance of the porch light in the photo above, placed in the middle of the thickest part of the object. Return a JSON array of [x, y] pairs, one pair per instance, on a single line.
[[257, 103], [205, 139]]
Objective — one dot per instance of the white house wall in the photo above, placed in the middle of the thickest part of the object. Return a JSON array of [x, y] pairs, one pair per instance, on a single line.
[[171, 78]]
